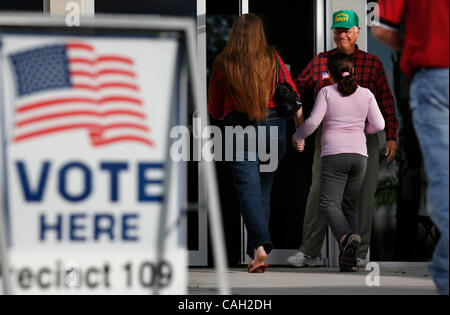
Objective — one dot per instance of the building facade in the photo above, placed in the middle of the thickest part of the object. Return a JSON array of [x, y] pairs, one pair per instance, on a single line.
[[298, 30]]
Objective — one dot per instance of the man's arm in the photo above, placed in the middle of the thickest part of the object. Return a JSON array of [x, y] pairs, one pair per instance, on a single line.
[[390, 37], [391, 14], [385, 101]]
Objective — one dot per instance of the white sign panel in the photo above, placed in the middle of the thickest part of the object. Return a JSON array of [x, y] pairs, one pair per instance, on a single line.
[[86, 124]]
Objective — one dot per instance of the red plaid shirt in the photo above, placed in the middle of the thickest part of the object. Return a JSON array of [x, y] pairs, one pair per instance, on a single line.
[[369, 74]]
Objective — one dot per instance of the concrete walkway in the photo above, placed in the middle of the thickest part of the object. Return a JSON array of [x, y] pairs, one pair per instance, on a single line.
[[282, 280]]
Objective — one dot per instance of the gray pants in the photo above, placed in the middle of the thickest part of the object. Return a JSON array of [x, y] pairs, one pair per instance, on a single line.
[[314, 226], [341, 178]]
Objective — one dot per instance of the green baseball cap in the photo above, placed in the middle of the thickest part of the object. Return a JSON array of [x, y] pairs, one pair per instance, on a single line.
[[345, 19]]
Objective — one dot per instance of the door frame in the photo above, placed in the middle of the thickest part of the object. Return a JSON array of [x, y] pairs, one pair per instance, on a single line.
[[199, 257]]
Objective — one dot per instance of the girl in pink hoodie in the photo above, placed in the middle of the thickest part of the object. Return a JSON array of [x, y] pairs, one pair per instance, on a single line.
[[347, 111]]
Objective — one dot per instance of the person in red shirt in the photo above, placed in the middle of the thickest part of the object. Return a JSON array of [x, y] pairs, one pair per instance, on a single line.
[[241, 92], [425, 59], [370, 74]]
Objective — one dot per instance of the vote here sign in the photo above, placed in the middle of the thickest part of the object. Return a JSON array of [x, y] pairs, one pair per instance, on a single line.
[[86, 125]]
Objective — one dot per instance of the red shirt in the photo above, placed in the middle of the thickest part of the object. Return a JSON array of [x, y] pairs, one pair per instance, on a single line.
[[370, 74], [220, 103], [426, 31]]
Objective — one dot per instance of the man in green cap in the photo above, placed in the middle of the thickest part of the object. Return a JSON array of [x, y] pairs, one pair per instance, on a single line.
[[370, 74]]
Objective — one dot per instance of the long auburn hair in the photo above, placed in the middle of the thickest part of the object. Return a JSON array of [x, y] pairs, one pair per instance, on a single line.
[[248, 67]]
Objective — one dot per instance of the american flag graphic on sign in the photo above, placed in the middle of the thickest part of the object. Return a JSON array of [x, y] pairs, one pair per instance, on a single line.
[[62, 88]]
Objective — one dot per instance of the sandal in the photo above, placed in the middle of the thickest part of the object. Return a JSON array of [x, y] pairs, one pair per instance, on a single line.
[[259, 269]]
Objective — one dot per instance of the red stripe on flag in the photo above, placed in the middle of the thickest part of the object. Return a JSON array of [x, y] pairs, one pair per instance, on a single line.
[[95, 129], [106, 58], [64, 101], [75, 45], [133, 87], [123, 139], [101, 59], [79, 113], [103, 72], [126, 126], [52, 130]]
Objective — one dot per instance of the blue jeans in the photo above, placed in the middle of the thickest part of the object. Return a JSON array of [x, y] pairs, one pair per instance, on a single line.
[[429, 104], [253, 185]]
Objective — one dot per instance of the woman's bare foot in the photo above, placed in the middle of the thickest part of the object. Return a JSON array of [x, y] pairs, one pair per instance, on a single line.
[[260, 257], [250, 264]]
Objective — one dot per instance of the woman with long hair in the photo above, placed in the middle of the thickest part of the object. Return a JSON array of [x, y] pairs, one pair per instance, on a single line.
[[241, 92], [348, 112]]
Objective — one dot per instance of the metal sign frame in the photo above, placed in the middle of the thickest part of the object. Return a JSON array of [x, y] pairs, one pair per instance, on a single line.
[[186, 28]]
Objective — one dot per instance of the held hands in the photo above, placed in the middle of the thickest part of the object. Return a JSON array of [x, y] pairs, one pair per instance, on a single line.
[[298, 145], [298, 120]]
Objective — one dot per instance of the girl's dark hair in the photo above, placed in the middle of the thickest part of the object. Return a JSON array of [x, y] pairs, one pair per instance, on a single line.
[[338, 64]]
